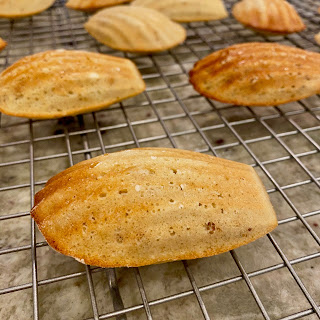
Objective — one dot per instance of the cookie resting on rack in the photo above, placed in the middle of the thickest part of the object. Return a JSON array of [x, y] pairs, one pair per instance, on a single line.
[[151, 205], [135, 29], [187, 10], [93, 5], [61, 83], [23, 8], [257, 74], [3, 44], [270, 16]]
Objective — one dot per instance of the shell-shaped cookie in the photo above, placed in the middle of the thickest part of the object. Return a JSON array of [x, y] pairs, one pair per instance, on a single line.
[[23, 8], [187, 10], [144, 206], [93, 5], [135, 29], [259, 74], [3, 44], [61, 83], [274, 16]]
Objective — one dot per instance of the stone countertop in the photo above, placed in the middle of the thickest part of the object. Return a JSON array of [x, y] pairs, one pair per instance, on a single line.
[[294, 124]]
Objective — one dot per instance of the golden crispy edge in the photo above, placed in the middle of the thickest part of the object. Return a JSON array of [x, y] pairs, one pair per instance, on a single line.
[[97, 107], [80, 165], [27, 14], [233, 101], [93, 8], [139, 50], [64, 114], [101, 263]]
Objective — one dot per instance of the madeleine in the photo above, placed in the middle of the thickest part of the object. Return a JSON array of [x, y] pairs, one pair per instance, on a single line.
[[150, 205], [257, 74], [93, 5], [187, 10], [271, 16], [135, 29], [23, 8], [61, 83]]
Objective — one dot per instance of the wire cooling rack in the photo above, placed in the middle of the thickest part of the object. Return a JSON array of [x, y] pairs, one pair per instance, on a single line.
[[276, 277]]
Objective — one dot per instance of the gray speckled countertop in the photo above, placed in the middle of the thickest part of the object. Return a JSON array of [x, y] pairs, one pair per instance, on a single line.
[[284, 140]]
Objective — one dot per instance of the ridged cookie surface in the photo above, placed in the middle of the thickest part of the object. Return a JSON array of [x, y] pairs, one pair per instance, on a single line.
[[135, 29], [258, 74], [23, 8], [61, 83], [187, 10], [93, 5], [145, 206], [275, 16], [3, 44]]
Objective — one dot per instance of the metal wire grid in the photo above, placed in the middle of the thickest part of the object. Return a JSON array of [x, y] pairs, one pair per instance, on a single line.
[[59, 27]]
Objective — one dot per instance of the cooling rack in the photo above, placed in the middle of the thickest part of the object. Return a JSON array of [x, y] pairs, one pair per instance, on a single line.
[[276, 277]]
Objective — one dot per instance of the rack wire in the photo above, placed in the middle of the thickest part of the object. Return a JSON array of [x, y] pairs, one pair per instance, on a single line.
[[276, 277]]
